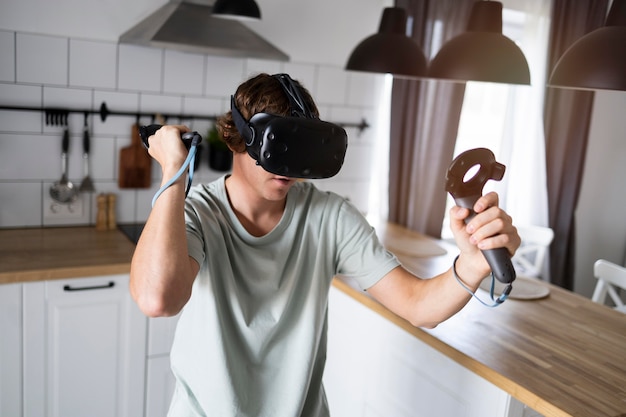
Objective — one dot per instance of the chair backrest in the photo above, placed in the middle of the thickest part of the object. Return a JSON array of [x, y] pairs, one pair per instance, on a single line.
[[611, 278], [530, 258]]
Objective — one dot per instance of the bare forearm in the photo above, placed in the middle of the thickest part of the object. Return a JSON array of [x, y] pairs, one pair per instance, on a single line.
[[161, 270], [439, 299], [427, 302]]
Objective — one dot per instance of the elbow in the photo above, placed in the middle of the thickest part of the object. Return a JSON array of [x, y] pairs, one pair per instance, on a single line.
[[155, 307], [155, 304], [424, 320], [425, 324]]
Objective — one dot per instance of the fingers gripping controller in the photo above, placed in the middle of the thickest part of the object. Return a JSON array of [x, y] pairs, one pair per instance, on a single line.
[[188, 138], [467, 192], [191, 140]]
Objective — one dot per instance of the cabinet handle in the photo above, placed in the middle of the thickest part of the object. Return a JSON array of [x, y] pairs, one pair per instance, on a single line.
[[111, 284]]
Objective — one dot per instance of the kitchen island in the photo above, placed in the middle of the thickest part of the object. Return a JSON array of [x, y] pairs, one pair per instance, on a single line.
[[562, 355]]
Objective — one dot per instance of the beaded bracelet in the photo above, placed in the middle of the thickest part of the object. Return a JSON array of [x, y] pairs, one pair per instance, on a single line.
[[496, 301]]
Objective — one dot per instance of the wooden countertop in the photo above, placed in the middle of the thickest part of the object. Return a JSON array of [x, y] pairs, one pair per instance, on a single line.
[[62, 252], [562, 355]]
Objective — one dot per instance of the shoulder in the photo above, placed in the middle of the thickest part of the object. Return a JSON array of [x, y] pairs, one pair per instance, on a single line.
[[202, 193], [328, 206], [207, 200]]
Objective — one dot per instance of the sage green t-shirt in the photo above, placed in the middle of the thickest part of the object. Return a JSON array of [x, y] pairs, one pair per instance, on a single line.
[[251, 341]]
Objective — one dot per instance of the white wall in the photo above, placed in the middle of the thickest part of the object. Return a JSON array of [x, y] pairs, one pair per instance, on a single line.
[[66, 55], [600, 219], [321, 31]]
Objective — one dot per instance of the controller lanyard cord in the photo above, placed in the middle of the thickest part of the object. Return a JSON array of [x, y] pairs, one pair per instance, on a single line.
[[189, 162], [496, 301]]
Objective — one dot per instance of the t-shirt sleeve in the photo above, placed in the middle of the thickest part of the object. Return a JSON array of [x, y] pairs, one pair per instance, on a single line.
[[195, 238], [360, 254]]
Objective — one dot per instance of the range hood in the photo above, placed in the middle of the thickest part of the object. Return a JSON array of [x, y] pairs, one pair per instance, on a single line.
[[189, 26]]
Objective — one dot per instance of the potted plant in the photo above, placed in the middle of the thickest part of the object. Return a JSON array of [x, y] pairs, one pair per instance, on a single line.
[[220, 156]]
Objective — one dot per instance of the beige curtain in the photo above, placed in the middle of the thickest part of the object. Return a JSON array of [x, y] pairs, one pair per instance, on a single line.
[[567, 118], [424, 122]]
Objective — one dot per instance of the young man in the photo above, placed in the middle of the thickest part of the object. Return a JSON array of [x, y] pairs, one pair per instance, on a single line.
[[250, 258]]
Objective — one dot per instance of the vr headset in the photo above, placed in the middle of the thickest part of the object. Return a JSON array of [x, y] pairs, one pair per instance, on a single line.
[[297, 146]]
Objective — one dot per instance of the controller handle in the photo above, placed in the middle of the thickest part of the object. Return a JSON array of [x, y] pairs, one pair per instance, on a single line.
[[188, 138], [466, 193]]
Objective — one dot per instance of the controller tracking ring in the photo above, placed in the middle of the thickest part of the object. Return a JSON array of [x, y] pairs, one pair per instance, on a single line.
[[489, 169]]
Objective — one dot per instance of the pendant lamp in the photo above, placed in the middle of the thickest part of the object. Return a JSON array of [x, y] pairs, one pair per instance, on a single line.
[[236, 9], [598, 59], [482, 53], [389, 50]]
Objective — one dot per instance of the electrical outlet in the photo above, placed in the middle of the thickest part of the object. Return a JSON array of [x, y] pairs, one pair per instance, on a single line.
[[60, 214]]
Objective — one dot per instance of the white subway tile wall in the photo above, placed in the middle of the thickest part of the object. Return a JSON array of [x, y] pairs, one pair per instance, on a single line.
[[140, 68], [41, 59], [55, 72], [7, 63]]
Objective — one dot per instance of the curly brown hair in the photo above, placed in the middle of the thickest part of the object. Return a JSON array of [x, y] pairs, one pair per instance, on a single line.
[[260, 94]]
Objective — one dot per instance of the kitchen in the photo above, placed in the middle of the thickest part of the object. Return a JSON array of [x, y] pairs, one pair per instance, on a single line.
[[55, 56]]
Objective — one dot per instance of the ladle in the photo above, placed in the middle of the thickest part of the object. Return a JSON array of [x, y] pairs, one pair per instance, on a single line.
[[87, 184], [63, 190]]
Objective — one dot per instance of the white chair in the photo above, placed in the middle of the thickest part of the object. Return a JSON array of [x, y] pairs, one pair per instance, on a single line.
[[530, 257], [611, 278]]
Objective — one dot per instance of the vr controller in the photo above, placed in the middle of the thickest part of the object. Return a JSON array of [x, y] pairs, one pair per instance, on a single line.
[[466, 193], [297, 146], [188, 138]]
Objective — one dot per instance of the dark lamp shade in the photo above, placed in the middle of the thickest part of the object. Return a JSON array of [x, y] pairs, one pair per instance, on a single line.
[[389, 50], [598, 59], [482, 53], [237, 9]]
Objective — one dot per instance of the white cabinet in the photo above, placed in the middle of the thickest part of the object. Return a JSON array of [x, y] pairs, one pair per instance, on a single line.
[[375, 368], [159, 386], [11, 350], [84, 350], [159, 378]]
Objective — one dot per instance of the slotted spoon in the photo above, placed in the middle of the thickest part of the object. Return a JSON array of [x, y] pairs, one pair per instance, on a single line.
[[63, 190], [86, 186]]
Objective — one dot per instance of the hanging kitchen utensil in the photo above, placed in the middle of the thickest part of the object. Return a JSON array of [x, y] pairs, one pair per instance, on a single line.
[[86, 186], [135, 167], [63, 190]]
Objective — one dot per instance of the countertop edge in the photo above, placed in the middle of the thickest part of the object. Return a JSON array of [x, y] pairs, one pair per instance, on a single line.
[[35, 275]]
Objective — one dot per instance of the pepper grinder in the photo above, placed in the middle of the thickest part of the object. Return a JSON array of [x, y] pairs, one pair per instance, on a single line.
[[101, 216], [111, 220]]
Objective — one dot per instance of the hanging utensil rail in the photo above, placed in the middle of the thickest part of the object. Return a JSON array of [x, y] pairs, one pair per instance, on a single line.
[[58, 116]]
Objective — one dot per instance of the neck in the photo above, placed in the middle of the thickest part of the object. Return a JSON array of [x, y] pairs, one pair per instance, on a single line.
[[256, 214]]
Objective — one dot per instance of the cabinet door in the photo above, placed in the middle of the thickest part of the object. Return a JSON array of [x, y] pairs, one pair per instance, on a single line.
[[159, 377], [92, 351], [11, 350], [159, 386]]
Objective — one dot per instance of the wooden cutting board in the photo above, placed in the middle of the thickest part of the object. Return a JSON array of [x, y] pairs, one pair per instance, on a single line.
[[135, 168]]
